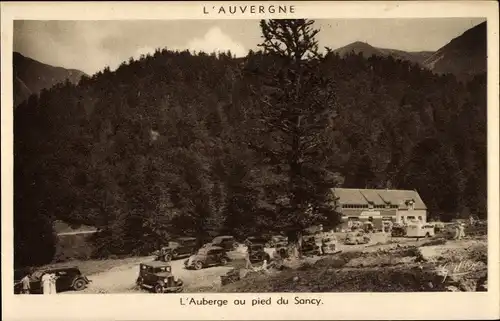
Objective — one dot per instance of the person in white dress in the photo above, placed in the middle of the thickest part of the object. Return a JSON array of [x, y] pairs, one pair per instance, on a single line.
[[46, 280], [53, 279]]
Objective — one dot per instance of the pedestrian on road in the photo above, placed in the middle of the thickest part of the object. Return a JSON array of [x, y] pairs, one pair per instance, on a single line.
[[248, 263], [461, 233], [53, 280], [46, 280], [26, 286]]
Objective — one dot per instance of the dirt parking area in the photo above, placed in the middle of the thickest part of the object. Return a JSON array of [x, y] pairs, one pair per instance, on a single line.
[[119, 276], [122, 276]]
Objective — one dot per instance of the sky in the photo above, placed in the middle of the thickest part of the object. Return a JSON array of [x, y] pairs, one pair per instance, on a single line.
[[92, 45]]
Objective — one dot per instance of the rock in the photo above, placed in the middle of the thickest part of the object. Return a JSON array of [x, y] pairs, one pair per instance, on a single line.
[[468, 285], [483, 287], [452, 288]]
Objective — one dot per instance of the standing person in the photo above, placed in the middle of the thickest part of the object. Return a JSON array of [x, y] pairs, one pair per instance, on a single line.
[[319, 243], [46, 283], [26, 285], [457, 231], [53, 279], [461, 231], [248, 263]]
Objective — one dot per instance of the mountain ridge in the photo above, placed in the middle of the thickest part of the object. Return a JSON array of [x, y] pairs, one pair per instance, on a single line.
[[464, 56], [368, 50], [31, 76]]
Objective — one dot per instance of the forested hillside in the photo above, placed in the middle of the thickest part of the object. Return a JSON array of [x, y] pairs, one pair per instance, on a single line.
[[171, 144]]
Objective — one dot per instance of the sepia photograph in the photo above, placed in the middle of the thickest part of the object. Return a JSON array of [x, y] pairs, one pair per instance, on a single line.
[[211, 156]]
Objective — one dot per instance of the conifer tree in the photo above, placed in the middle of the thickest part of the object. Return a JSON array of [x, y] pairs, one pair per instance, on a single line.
[[297, 113]]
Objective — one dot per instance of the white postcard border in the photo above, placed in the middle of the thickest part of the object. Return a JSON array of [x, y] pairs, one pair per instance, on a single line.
[[336, 305]]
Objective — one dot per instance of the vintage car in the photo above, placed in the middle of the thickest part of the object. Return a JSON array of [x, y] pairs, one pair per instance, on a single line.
[[207, 256], [329, 245], [387, 226], [68, 278], [310, 245], [368, 227], [277, 241], [255, 240], [157, 277], [398, 230], [181, 247], [356, 237], [356, 225], [438, 226], [420, 230], [257, 253], [226, 242]]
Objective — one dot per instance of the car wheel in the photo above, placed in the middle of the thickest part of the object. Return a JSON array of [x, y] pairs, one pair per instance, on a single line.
[[174, 254], [198, 265], [79, 284], [158, 288], [167, 257], [223, 261]]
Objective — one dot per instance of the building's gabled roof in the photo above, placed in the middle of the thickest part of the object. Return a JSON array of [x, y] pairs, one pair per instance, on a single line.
[[357, 196]]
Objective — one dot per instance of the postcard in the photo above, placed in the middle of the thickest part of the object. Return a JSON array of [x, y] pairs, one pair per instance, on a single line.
[[250, 160]]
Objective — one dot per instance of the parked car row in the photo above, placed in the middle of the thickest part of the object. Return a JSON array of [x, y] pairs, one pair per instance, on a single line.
[[187, 246], [67, 278]]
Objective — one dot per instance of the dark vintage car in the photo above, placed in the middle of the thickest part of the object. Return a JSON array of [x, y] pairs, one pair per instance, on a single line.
[[181, 247], [310, 246], [398, 230], [257, 253], [226, 242], [207, 256], [255, 240], [157, 277], [357, 237], [277, 241], [68, 278]]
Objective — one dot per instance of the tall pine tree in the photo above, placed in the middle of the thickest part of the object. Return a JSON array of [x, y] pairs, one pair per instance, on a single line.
[[296, 123]]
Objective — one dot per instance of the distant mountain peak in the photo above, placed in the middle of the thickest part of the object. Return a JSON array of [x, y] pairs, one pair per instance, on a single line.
[[463, 56], [368, 50], [31, 76]]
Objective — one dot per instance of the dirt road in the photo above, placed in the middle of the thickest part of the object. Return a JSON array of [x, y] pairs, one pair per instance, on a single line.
[[121, 278]]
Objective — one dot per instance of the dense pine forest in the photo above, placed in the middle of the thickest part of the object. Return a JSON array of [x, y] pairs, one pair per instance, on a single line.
[[181, 143]]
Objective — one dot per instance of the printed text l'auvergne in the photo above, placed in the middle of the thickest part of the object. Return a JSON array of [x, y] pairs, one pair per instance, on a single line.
[[248, 9]]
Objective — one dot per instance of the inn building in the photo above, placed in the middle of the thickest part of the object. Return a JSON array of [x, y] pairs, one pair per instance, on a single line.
[[377, 205]]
